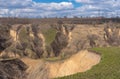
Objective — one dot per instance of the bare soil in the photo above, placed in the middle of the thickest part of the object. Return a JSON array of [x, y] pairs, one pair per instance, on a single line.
[[80, 62]]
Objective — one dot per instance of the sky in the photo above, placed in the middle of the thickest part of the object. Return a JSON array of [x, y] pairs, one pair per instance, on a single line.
[[59, 8]]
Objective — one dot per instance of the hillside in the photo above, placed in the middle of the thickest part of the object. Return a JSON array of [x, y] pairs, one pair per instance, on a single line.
[[31, 40], [80, 62], [108, 68], [58, 49]]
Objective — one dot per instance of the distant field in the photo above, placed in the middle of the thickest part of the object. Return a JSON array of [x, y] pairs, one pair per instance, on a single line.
[[108, 68], [97, 20]]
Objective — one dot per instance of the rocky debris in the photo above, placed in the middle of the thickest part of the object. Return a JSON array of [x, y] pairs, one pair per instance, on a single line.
[[12, 69]]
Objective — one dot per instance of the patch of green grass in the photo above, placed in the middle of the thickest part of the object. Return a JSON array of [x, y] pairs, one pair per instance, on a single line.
[[7, 59], [49, 35], [23, 35], [108, 68], [52, 59]]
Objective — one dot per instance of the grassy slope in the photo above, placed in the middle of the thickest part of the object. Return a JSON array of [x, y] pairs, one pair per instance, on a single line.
[[108, 68], [49, 35]]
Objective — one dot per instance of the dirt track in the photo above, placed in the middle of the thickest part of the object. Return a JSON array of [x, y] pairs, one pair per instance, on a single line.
[[80, 62]]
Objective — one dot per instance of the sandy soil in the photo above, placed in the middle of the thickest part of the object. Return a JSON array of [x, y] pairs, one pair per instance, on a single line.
[[80, 62], [32, 63]]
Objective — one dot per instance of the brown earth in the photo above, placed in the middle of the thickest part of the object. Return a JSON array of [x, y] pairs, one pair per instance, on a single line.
[[80, 62]]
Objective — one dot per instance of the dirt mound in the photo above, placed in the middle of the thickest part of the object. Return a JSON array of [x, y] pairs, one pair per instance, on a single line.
[[80, 62]]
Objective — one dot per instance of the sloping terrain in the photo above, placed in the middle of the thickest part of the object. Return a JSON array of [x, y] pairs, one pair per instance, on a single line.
[[60, 39], [87, 36], [108, 68], [31, 44], [12, 69], [80, 62]]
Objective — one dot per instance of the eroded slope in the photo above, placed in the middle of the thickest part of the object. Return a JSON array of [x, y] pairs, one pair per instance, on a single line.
[[80, 62]]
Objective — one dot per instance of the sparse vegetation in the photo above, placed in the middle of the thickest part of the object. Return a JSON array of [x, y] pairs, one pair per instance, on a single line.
[[23, 35], [4, 36], [55, 59], [49, 35], [52, 59]]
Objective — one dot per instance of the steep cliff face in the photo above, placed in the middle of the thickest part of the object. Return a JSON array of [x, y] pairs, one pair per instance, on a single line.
[[112, 35], [29, 41], [25, 40], [62, 39], [87, 36], [4, 37]]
